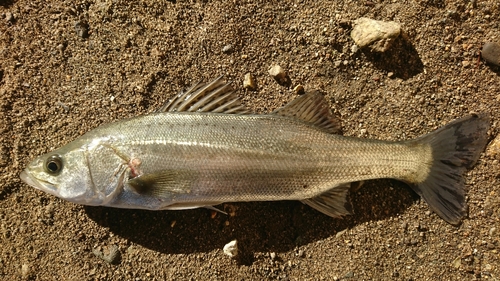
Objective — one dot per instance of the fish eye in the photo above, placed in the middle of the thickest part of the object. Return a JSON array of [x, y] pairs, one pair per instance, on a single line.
[[53, 165]]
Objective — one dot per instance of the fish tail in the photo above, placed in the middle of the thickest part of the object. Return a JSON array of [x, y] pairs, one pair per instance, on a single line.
[[455, 148]]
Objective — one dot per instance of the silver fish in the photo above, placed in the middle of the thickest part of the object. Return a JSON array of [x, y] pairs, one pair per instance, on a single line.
[[202, 148]]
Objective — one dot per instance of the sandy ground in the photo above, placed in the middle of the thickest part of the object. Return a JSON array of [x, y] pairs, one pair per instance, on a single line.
[[69, 66]]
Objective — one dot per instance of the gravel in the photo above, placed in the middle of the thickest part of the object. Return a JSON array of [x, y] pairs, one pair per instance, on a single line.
[[141, 53]]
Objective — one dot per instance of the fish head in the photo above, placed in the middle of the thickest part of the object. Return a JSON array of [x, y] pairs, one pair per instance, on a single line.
[[65, 173]]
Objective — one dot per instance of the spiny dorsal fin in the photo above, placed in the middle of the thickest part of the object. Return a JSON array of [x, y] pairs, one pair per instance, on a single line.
[[216, 96], [162, 184], [313, 109], [333, 203]]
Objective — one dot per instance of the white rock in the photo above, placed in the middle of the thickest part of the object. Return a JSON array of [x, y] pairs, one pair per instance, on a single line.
[[374, 34], [249, 82], [231, 249], [273, 255]]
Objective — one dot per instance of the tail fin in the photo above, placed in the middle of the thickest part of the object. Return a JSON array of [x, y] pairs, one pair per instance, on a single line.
[[455, 148]]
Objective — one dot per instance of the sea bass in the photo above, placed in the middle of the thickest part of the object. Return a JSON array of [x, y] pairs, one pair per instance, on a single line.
[[203, 148]]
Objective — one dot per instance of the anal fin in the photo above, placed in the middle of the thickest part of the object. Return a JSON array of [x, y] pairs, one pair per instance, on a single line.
[[333, 203]]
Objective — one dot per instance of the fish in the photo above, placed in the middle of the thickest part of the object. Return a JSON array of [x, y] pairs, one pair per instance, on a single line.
[[203, 148]]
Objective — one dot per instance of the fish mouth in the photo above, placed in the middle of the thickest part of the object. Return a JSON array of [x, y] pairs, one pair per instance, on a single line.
[[37, 183]]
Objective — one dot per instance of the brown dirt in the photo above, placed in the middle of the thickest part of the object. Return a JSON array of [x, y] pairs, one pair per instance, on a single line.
[[56, 85]]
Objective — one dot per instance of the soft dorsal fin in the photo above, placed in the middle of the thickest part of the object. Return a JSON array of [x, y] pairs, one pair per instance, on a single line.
[[313, 109], [216, 96]]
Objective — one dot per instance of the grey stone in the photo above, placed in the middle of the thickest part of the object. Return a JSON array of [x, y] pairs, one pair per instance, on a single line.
[[227, 49], [82, 29], [491, 53]]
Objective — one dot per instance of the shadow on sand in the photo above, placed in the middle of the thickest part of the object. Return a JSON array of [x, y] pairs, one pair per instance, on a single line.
[[258, 226], [401, 59]]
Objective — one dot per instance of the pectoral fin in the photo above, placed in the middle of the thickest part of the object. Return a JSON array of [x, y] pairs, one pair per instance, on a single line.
[[332, 203], [215, 209], [195, 205], [162, 184]]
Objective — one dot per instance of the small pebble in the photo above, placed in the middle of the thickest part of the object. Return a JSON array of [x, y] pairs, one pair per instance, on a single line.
[[227, 49], [492, 231], [154, 52], [65, 107], [60, 47], [249, 82], [493, 149], [231, 249], [9, 17], [49, 210], [300, 254], [491, 53], [25, 270], [349, 274], [338, 234], [457, 262], [279, 75], [112, 257], [82, 29], [299, 90], [131, 250], [273, 255], [213, 214]]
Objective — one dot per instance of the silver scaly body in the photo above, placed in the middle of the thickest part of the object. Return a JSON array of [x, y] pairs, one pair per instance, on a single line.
[[223, 158]]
